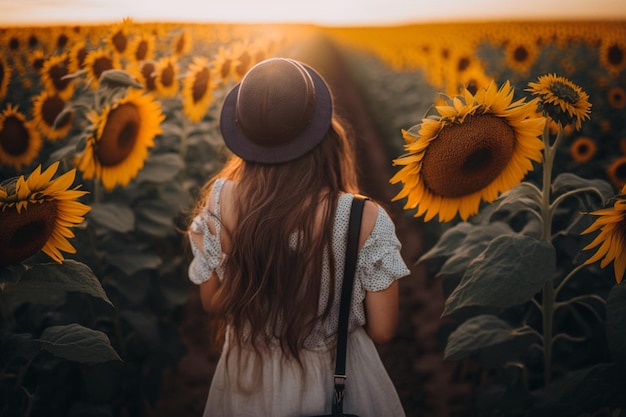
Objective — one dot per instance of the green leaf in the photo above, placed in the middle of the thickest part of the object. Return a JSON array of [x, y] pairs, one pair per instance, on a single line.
[[510, 271], [567, 181], [132, 260], [472, 246], [524, 196], [161, 168], [48, 284], [616, 322], [78, 344], [114, 78], [449, 241], [114, 216], [477, 333]]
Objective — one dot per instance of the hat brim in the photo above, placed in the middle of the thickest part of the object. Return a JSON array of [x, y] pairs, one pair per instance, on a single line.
[[301, 144]]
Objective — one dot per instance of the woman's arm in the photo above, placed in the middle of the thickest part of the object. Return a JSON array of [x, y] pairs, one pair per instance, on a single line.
[[208, 289], [381, 311], [381, 307]]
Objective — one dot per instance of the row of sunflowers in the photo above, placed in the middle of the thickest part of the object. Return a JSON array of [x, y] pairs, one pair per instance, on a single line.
[[531, 254], [106, 134]]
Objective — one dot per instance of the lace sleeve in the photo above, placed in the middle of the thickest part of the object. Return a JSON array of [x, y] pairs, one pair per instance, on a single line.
[[380, 262], [205, 245]]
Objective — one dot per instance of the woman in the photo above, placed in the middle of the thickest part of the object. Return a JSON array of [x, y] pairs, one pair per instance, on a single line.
[[269, 239]]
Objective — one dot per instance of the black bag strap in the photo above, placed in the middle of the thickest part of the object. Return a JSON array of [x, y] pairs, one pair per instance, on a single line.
[[354, 229]]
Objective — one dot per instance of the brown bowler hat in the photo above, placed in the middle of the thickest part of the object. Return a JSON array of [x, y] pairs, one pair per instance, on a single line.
[[279, 111]]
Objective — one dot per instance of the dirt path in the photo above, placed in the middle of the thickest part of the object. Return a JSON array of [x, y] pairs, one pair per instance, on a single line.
[[427, 386]]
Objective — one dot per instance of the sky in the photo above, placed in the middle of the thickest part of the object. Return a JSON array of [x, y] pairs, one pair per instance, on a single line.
[[321, 12]]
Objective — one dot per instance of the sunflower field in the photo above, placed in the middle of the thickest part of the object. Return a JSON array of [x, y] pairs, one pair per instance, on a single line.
[[505, 144]]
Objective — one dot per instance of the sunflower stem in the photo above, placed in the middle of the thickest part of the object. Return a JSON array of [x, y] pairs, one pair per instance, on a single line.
[[548, 294]]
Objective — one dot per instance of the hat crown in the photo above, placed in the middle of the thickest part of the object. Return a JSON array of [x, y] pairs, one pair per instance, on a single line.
[[275, 102]]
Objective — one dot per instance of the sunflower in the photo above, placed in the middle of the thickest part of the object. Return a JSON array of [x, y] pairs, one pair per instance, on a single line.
[[197, 89], [145, 73], [52, 73], [613, 54], [521, 54], [475, 148], [142, 47], [583, 149], [617, 97], [37, 214], [37, 60], [224, 63], [46, 109], [181, 43], [119, 140], [98, 61], [612, 237], [19, 140], [78, 53], [118, 39], [166, 77], [617, 171], [5, 77], [561, 100]]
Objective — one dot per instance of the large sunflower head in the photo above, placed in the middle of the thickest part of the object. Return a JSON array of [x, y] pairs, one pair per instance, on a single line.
[[46, 108], [472, 149], [181, 43], [37, 213], [198, 88], [19, 139], [611, 223], [5, 77], [561, 100], [78, 53], [52, 73], [120, 138]]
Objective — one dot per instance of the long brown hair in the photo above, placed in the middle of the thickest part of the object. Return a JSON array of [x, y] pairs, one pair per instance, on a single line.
[[284, 217]]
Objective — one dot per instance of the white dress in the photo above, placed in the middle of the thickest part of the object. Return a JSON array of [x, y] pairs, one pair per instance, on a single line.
[[284, 391]]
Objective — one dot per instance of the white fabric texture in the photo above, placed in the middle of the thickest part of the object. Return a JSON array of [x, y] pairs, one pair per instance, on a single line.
[[285, 391]]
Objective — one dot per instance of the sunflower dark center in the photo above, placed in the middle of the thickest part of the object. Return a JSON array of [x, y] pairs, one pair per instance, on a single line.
[[520, 54], [81, 54], [142, 51], [14, 44], [101, 64], [463, 64], [62, 41], [38, 64], [51, 108], [564, 92], [147, 71], [23, 234], [615, 55], [1, 73], [167, 75], [244, 64], [180, 45], [119, 135], [32, 41], [200, 84], [583, 149], [14, 137], [57, 72], [225, 70], [120, 41], [467, 157]]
